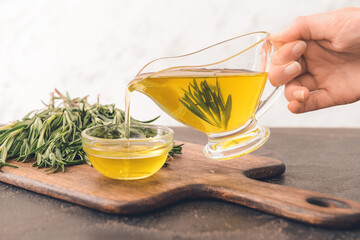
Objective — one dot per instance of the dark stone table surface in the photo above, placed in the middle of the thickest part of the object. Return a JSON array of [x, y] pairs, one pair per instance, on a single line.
[[322, 160]]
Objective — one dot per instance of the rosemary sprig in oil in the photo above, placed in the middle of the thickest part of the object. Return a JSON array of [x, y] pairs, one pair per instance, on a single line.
[[53, 136], [207, 102]]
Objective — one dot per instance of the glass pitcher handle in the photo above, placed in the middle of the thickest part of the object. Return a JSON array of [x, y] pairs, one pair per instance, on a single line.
[[266, 104]]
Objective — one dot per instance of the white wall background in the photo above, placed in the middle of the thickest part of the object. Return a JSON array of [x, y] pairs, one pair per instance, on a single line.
[[90, 47]]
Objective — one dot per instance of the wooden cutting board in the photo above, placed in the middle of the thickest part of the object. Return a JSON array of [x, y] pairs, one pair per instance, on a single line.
[[190, 175]]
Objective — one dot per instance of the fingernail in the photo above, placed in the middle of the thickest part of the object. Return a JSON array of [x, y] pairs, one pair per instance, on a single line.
[[292, 69], [299, 48], [299, 95]]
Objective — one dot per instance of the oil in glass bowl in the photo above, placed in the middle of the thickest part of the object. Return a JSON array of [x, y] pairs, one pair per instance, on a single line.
[[115, 156]]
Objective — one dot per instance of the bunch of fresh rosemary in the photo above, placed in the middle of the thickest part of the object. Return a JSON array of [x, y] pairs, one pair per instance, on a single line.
[[53, 136], [207, 102]]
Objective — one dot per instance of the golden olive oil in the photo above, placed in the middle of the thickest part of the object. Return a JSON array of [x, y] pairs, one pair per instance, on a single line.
[[126, 162], [209, 100]]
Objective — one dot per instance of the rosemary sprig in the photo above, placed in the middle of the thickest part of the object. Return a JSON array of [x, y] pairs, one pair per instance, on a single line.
[[53, 136], [207, 102], [175, 150]]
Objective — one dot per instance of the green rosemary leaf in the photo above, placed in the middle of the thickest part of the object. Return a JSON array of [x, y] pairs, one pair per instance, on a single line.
[[150, 121], [227, 109], [176, 150], [2, 164], [195, 110]]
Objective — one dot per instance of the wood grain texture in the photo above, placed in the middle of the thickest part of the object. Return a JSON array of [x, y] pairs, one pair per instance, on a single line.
[[190, 176]]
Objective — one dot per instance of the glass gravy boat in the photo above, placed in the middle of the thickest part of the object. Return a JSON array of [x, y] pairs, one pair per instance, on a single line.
[[216, 90]]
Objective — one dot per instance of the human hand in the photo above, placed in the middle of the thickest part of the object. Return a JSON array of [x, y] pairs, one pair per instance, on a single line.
[[318, 59]]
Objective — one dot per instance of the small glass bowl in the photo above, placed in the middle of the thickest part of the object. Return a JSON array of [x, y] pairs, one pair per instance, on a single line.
[[126, 159]]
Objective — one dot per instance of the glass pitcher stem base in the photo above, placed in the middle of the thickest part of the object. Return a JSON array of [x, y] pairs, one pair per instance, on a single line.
[[237, 144]]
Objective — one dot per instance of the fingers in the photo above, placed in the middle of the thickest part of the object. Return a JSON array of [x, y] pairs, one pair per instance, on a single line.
[[295, 91], [300, 88], [288, 52], [304, 96], [284, 66], [282, 74], [316, 100]]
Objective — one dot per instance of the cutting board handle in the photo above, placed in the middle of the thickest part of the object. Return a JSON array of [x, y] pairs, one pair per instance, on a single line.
[[297, 204]]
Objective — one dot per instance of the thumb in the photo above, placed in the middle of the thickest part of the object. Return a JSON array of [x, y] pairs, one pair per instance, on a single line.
[[313, 27]]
